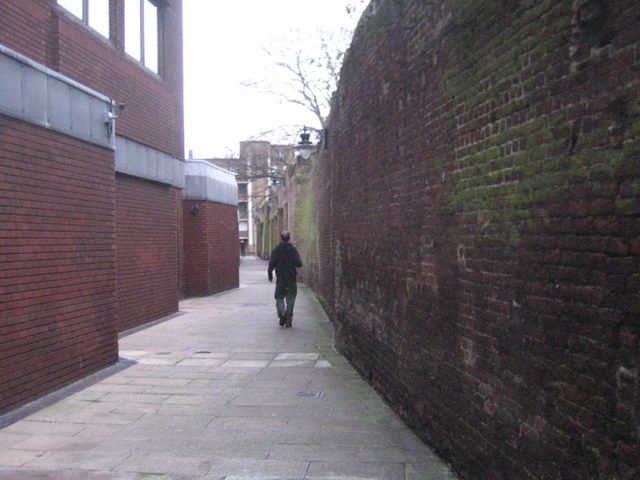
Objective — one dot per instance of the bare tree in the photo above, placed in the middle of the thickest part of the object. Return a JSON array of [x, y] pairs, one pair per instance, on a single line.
[[305, 72], [310, 77], [306, 66]]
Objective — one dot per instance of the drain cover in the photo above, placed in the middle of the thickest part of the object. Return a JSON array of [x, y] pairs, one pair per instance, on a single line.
[[309, 394]]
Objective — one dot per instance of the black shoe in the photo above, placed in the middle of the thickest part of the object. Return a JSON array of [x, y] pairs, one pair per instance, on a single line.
[[288, 323], [282, 320]]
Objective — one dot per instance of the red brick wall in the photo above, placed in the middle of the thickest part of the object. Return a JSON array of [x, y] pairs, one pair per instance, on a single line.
[[480, 229], [18, 17], [47, 33], [57, 262], [211, 251], [146, 249], [180, 219]]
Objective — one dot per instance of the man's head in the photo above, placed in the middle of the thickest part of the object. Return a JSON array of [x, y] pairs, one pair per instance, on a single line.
[[285, 236]]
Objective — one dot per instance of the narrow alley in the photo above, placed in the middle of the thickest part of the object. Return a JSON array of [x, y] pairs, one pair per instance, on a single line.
[[219, 391]]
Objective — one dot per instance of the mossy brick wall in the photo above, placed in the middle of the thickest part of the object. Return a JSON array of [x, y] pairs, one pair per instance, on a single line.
[[479, 222], [305, 225], [297, 201]]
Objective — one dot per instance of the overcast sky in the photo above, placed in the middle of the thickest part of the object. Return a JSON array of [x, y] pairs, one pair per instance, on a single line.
[[223, 43]]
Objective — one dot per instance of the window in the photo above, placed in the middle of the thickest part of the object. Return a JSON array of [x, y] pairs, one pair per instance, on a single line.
[[74, 6], [142, 33], [94, 13], [243, 210], [98, 15]]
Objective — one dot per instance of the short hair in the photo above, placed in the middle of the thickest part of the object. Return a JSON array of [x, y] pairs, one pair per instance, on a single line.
[[285, 236]]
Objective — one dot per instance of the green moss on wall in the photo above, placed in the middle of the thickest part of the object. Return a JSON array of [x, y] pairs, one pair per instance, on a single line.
[[519, 163], [306, 219]]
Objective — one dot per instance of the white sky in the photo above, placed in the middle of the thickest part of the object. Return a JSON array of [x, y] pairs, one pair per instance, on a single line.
[[223, 42]]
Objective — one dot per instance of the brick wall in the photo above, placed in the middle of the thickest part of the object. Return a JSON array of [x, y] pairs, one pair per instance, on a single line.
[[211, 251], [146, 249], [180, 220], [479, 229], [17, 17], [57, 262]]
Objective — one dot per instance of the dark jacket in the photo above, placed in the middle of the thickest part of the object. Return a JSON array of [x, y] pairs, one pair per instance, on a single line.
[[285, 259]]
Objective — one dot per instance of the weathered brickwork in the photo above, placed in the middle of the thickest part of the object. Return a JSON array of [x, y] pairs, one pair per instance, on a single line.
[[211, 252], [57, 262], [479, 229], [146, 249]]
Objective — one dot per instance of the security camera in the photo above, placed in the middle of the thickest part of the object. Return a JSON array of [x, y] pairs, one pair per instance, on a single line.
[[111, 115]]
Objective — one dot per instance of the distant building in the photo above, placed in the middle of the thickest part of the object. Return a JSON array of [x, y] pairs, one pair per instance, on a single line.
[[259, 169]]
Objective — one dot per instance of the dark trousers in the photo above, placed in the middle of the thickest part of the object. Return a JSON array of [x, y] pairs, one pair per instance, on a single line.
[[286, 291]]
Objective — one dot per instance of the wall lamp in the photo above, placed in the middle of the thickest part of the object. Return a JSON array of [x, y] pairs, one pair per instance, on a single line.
[[195, 209], [305, 148]]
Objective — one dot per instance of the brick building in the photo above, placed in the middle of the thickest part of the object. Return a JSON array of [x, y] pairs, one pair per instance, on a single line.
[[91, 179]]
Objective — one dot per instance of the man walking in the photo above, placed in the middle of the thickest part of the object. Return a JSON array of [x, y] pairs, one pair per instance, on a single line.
[[285, 259]]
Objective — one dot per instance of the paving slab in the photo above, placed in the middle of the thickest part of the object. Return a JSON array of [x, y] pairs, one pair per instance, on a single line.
[[79, 475], [219, 392]]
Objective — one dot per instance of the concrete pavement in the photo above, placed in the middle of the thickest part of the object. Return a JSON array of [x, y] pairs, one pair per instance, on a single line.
[[219, 392]]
